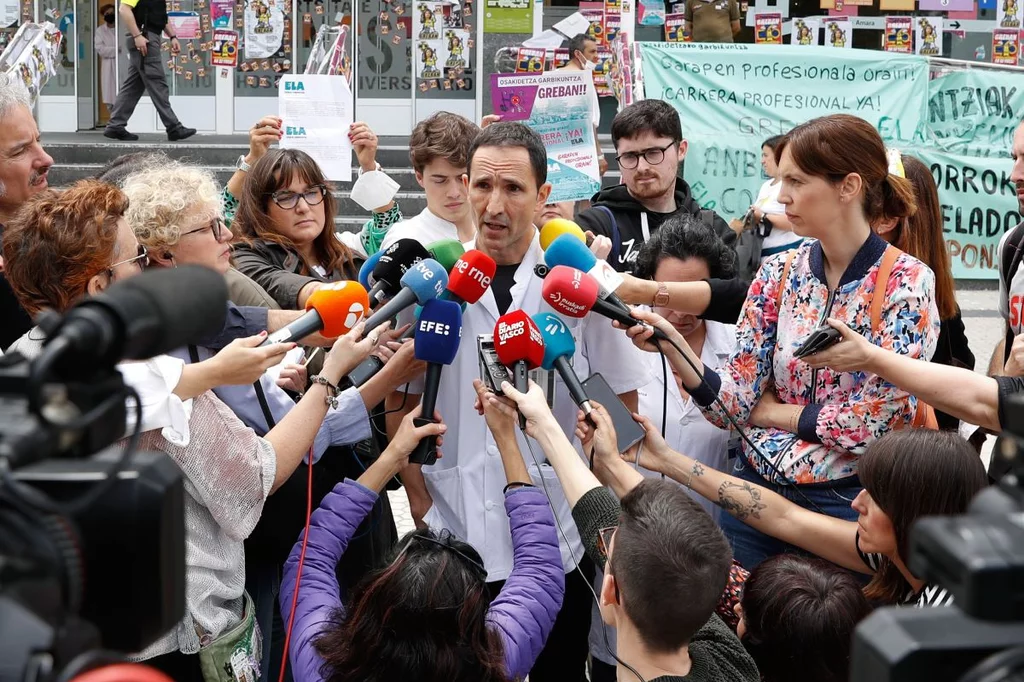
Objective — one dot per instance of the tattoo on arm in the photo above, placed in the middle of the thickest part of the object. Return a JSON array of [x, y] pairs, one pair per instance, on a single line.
[[741, 500], [697, 470]]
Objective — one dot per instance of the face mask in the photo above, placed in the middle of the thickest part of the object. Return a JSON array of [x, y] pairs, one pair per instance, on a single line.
[[589, 66], [109, 18]]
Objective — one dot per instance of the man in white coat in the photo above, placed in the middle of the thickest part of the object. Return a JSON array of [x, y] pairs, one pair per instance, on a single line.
[[106, 47]]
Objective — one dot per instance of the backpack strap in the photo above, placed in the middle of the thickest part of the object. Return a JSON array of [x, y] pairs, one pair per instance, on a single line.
[[193, 354], [881, 284], [616, 237]]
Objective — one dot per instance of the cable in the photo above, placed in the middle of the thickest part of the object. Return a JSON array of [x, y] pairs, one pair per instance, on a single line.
[[664, 403], [401, 406], [298, 573]]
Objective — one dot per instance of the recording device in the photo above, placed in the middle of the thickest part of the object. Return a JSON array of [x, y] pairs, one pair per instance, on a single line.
[[569, 251], [446, 252], [366, 271], [979, 559], [520, 347], [392, 265], [820, 339], [93, 545], [492, 370], [438, 333], [556, 227], [424, 281], [627, 432], [334, 309], [559, 347]]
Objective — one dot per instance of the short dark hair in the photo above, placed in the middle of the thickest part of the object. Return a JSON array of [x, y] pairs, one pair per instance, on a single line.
[[443, 135], [683, 236], [513, 135], [773, 142], [116, 171], [578, 43], [800, 613], [670, 561], [647, 115]]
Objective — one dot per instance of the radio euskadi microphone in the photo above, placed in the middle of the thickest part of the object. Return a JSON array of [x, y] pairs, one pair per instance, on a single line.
[[366, 271], [574, 293], [424, 282], [556, 227], [569, 251], [333, 309], [394, 262], [559, 347], [438, 333], [446, 252]]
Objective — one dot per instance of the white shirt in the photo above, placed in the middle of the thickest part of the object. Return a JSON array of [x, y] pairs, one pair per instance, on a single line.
[[466, 484], [1011, 303], [426, 228], [768, 202]]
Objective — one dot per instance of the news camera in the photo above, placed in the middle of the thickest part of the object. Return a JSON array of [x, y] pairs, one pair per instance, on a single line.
[[92, 537], [979, 559]]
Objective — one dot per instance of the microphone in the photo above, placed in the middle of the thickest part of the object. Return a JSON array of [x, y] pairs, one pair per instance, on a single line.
[[438, 333], [520, 347], [392, 265], [471, 276], [334, 308], [366, 272], [556, 227], [575, 294], [559, 347], [567, 250], [424, 281], [446, 252]]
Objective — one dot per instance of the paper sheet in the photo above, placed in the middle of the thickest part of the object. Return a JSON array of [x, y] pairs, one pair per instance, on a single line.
[[318, 114]]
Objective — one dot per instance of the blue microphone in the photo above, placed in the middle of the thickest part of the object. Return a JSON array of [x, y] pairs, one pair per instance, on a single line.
[[438, 332], [367, 270], [559, 347], [570, 251], [423, 282]]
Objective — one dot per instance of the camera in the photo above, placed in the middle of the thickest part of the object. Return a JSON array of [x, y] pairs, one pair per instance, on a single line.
[[979, 559]]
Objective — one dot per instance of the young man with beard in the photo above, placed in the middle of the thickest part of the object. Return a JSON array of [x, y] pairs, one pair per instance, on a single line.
[[462, 492], [649, 146]]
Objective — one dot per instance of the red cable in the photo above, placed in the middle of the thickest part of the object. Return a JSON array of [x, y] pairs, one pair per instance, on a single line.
[[298, 573]]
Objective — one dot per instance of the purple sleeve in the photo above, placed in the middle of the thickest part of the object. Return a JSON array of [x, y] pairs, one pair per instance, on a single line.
[[524, 611], [331, 527]]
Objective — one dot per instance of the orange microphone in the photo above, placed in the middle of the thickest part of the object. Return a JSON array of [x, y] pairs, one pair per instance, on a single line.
[[334, 309]]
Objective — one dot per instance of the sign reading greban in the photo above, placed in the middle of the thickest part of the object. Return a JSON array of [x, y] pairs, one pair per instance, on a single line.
[[731, 98]]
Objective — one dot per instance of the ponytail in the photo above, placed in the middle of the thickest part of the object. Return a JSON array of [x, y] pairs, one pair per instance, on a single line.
[[897, 199]]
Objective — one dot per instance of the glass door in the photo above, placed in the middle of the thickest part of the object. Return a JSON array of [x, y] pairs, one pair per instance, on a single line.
[[384, 66]]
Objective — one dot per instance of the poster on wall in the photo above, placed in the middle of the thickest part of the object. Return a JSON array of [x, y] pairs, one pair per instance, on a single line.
[[431, 16], [186, 24], [612, 24], [429, 59], [1005, 46], [264, 28], [222, 12], [675, 28], [768, 28], [224, 51], [530, 60], [838, 32], [806, 31], [1008, 14], [898, 31], [318, 111], [457, 52], [650, 13], [602, 72], [946, 5], [508, 16], [928, 38], [594, 13], [896, 5]]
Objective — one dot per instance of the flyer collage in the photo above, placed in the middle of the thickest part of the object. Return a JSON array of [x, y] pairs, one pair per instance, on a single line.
[[443, 44]]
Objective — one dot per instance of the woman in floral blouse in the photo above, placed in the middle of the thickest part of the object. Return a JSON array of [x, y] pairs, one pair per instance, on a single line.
[[807, 428]]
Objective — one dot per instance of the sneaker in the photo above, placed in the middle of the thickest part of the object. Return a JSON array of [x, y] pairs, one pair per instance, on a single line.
[[180, 133], [120, 134]]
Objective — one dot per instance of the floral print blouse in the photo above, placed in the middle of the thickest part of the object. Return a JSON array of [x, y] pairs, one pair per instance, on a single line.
[[843, 412]]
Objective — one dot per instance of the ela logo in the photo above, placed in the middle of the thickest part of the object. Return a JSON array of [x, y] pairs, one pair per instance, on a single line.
[[294, 86], [294, 131]]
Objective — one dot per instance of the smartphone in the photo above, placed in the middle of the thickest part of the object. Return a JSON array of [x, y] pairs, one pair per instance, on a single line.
[[627, 431], [820, 339]]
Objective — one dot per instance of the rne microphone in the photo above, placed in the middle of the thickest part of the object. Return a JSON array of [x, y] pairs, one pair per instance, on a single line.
[[333, 309], [424, 282], [446, 252], [574, 293], [470, 278], [520, 347], [438, 333], [394, 262], [559, 347], [556, 227], [569, 251]]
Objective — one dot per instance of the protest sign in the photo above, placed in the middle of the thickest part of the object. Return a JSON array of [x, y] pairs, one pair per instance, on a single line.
[[318, 113], [806, 31], [898, 32], [559, 107], [1005, 46], [975, 112], [768, 28], [675, 28]]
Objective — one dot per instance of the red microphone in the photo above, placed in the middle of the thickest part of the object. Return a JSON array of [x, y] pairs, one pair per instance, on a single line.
[[574, 293], [520, 347], [470, 277]]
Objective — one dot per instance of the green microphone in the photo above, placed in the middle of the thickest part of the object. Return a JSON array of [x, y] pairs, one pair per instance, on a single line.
[[446, 252]]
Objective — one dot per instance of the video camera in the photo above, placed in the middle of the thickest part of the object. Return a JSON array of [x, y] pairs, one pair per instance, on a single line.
[[979, 559], [92, 537]]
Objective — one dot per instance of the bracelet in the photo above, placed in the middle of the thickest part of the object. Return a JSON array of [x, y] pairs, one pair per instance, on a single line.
[[332, 390], [515, 485], [137, 35]]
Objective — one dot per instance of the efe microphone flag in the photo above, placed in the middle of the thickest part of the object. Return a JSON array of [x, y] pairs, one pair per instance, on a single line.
[[438, 333]]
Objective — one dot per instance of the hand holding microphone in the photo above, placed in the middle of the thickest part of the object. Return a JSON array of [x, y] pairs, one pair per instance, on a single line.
[[559, 347], [423, 282], [569, 251], [438, 333], [334, 309], [520, 347], [349, 350]]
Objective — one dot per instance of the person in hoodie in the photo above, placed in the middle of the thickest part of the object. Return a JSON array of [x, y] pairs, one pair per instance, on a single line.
[[649, 147]]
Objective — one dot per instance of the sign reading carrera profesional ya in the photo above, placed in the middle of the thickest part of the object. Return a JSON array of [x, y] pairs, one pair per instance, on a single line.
[[559, 107], [317, 113]]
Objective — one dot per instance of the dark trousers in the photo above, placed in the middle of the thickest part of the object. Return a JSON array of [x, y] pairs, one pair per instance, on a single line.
[[564, 657], [145, 74]]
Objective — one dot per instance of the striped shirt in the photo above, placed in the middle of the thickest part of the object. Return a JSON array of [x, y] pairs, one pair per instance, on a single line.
[[930, 595]]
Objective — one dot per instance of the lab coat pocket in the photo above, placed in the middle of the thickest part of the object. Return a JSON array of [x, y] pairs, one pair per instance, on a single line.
[[448, 510]]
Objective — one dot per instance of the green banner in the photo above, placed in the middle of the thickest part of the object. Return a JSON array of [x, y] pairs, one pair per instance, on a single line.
[[975, 112]]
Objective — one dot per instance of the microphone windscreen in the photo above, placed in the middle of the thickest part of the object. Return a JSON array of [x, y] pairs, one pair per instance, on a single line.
[[367, 270], [396, 260], [446, 252], [472, 275], [516, 338], [341, 305], [556, 227], [438, 332], [570, 291], [558, 339], [567, 250], [427, 280]]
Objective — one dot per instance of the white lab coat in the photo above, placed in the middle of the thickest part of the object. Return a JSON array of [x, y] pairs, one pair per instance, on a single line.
[[466, 484], [106, 47]]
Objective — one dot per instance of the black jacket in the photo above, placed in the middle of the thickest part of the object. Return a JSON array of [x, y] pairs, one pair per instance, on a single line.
[[627, 212]]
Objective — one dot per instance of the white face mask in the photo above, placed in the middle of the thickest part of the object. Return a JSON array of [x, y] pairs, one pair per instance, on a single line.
[[589, 66]]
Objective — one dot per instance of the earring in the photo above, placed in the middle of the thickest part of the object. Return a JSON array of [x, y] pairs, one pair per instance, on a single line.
[[170, 256]]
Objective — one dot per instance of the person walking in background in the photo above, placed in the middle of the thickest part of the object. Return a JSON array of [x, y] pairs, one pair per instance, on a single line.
[[145, 20], [583, 57], [106, 47], [712, 21]]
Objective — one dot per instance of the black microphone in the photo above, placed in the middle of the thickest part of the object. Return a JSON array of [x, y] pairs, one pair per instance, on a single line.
[[394, 262], [424, 281]]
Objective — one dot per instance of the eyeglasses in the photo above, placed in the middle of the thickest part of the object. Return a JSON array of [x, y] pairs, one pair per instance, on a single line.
[[142, 259], [604, 540], [287, 199], [652, 156], [216, 226]]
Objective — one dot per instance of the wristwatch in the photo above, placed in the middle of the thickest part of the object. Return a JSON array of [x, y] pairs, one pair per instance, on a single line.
[[242, 165], [661, 296]]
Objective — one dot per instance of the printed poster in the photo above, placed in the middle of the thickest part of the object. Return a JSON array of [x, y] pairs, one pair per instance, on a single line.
[[530, 60], [896, 5], [1008, 14], [318, 114], [508, 16], [264, 28], [946, 5], [558, 105], [594, 13], [429, 59], [768, 28], [898, 32], [560, 58], [675, 28], [928, 38], [838, 32], [806, 31], [224, 51], [431, 16], [186, 24], [222, 12], [453, 15], [651, 13], [457, 49], [1005, 46], [612, 24]]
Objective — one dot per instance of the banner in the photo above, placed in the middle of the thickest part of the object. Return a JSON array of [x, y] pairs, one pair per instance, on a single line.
[[838, 32], [975, 112], [806, 31], [1005, 46], [928, 36], [898, 32], [768, 28], [559, 107]]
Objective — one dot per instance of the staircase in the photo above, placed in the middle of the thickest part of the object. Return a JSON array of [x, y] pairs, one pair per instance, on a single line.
[[84, 154]]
